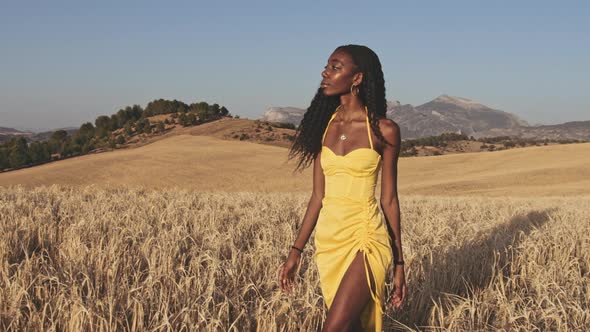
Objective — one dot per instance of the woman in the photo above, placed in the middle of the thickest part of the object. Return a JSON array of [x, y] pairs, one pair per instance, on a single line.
[[354, 249]]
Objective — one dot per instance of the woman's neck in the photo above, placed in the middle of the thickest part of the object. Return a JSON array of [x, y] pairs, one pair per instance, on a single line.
[[350, 107]]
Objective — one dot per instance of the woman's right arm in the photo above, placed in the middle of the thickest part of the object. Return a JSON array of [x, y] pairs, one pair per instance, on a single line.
[[288, 269], [313, 206]]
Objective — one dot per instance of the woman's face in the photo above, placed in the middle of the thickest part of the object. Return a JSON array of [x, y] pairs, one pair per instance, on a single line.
[[339, 74]]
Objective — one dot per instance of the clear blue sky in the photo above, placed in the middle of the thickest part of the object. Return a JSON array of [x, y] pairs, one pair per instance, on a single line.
[[64, 63]]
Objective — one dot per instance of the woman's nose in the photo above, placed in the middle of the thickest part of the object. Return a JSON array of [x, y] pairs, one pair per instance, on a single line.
[[324, 74]]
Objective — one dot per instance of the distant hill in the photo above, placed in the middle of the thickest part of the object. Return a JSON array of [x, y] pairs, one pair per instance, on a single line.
[[12, 131], [8, 133], [450, 114], [579, 130], [227, 128], [130, 126], [206, 163]]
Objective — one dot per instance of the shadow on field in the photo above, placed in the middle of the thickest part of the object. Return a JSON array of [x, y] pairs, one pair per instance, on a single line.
[[467, 269]]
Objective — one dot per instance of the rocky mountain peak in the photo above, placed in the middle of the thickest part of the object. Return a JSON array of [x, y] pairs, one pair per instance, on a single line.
[[458, 101], [283, 114]]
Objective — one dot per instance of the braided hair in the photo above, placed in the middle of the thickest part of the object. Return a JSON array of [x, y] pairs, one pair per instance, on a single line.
[[308, 136]]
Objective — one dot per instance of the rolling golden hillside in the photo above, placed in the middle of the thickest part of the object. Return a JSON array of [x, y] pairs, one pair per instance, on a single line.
[[206, 163]]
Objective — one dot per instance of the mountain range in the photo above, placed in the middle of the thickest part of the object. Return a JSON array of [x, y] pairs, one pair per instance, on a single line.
[[444, 114], [459, 115]]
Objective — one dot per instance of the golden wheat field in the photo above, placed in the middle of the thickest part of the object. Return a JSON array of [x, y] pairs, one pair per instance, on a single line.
[[96, 259], [188, 233]]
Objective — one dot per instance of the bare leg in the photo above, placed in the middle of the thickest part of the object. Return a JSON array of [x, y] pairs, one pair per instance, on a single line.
[[357, 326], [351, 297]]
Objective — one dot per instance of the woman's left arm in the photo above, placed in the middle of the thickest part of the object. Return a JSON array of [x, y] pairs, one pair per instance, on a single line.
[[390, 205], [389, 198]]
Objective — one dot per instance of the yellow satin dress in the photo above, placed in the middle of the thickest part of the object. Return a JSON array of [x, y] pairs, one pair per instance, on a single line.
[[349, 221]]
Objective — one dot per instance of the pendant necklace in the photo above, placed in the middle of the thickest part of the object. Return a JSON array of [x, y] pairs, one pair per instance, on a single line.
[[342, 137]]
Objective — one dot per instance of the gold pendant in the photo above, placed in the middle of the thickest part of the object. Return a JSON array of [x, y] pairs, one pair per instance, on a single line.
[[343, 137]]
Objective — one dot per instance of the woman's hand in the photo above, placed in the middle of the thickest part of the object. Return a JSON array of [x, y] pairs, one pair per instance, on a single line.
[[399, 288], [288, 270]]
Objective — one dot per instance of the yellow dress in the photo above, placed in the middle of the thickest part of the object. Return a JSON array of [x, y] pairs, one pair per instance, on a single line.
[[349, 221]]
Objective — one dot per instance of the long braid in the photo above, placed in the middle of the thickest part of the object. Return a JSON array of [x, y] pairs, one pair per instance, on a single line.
[[380, 108], [308, 136]]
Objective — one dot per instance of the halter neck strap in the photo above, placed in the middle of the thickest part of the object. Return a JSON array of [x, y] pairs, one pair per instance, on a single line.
[[368, 127], [328, 125]]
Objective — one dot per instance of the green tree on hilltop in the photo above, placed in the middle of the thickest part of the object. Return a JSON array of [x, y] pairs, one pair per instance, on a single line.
[[127, 129], [200, 106], [191, 119], [214, 109], [86, 131], [4, 162], [57, 141], [120, 139], [160, 127], [38, 152], [183, 120], [163, 106], [143, 126], [128, 114], [19, 152], [103, 125]]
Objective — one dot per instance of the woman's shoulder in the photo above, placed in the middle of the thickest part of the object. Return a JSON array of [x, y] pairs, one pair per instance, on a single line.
[[389, 129], [387, 125]]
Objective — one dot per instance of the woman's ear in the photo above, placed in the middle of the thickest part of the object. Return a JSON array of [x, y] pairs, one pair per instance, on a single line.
[[358, 78]]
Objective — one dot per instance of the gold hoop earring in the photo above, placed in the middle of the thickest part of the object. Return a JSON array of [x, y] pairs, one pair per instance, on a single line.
[[356, 88]]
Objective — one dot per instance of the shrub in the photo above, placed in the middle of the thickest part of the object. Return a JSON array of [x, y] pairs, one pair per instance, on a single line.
[[160, 127], [282, 125]]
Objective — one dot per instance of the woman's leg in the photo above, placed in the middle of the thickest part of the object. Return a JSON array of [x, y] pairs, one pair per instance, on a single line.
[[351, 297]]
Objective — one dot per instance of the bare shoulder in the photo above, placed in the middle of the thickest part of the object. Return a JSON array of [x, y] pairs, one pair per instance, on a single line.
[[390, 130]]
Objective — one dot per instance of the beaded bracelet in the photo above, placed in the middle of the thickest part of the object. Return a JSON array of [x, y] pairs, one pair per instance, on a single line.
[[399, 263], [300, 250]]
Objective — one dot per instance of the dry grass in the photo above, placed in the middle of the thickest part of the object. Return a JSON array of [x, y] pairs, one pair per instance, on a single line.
[[189, 162], [532, 171], [209, 164], [97, 259], [231, 129]]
